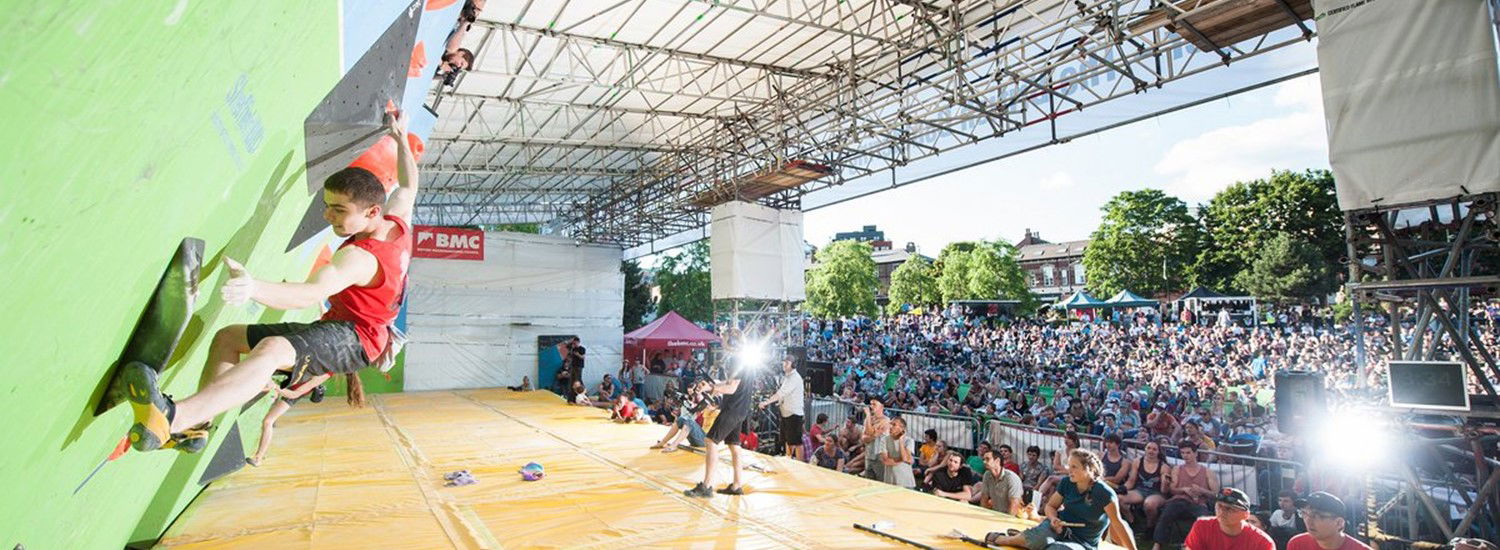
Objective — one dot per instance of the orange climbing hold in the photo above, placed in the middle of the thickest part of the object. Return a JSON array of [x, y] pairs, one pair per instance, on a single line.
[[418, 60], [380, 159], [435, 5]]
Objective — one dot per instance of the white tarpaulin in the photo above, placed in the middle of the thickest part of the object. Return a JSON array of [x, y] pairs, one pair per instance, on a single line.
[[756, 252], [1412, 97], [475, 323]]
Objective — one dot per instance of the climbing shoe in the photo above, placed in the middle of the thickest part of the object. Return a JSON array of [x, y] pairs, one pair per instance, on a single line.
[[317, 394], [700, 490], [153, 410], [191, 440]]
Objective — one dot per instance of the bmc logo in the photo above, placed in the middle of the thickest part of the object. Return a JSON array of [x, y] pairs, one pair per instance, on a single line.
[[449, 243]]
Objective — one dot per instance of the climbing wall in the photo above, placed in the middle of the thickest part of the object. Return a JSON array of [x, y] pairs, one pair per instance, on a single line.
[[130, 126]]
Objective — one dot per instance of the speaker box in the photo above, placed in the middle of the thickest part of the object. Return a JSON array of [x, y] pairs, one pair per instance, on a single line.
[[799, 352], [820, 374], [1300, 400]]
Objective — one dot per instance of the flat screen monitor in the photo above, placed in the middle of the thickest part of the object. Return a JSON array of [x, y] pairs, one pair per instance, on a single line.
[[1438, 385]]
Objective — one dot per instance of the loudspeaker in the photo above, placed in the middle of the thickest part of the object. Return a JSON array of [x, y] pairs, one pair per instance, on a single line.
[[799, 352], [820, 374], [1300, 400]]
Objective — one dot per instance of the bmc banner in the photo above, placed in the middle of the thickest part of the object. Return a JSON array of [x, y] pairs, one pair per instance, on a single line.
[[449, 243]]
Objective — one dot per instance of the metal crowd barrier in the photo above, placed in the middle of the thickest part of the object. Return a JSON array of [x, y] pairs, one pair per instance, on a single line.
[[1261, 478]]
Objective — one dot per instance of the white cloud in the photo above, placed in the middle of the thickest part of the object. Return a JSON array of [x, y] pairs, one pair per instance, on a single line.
[[1058, 180], [1199, 166]]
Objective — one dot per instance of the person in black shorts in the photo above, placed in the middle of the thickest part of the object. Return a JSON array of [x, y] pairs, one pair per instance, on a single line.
[[734, 410], [789, 395]]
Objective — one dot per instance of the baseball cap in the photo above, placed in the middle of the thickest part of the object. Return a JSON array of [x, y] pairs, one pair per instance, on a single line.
[[1233, 497], [1326, 503]]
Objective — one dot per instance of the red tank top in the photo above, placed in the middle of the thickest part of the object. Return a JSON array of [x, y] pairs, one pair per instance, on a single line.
[[373, 308]]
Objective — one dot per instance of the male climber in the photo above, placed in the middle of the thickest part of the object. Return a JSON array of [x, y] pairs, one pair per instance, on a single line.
[[363, 283]]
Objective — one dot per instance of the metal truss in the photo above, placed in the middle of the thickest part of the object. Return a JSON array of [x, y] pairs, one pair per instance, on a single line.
[[628, 113]]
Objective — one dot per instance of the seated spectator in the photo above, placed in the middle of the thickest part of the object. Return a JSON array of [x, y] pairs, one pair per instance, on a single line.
[[953, 480], [749, 440], [929, 446], [661, 411], [1146, 483], [524, 386], [1193, 487], [579, 397], [626, 409], [830, 455], [1081, 500], [687, 424], [1008, 458], [606, 390], [1324, 515], [1285, 522], [1033, 472], [1228, 528], [1000, 488], [1116, 463], [1059, 464], [819, 427]]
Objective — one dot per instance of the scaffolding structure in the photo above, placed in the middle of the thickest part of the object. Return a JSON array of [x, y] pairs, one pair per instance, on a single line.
[[1431, 257], [611, 124]]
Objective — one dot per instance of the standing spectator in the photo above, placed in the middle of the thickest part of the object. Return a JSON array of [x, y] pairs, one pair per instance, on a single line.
[[1000, 487], [876, 424], [638, 374], [895, 456], [1228, 528], [953, 480], [1324, 515], [789, 395]]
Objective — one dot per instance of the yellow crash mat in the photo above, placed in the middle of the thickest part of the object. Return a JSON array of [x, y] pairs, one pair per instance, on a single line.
[[338, 477]]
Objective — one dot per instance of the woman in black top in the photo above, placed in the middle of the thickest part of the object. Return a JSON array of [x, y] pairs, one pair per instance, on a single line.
[[1145, 483]]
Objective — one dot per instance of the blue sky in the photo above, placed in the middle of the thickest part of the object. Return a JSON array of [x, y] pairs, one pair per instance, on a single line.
[[1058, 190]]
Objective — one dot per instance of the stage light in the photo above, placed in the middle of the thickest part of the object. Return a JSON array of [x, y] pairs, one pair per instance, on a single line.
[[1354, 440], [753, 354]]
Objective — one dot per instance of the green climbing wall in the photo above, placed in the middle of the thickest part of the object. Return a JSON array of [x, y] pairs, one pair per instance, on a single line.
[[127, 127]]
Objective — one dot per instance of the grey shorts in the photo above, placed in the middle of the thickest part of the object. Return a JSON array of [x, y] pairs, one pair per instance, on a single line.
[[1041, 537], [323, 347]]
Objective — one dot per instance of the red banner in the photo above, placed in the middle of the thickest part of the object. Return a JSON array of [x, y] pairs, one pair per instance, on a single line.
[[450, 243]]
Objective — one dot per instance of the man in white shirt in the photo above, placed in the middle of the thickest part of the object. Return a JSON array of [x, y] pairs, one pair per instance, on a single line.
[[789, 394]]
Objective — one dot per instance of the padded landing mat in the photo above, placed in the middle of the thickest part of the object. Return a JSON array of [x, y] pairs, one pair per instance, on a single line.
[[338, 477]]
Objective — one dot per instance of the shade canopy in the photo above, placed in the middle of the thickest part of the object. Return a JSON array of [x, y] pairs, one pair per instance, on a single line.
[[1126, 298], [1080, 300], [670, 331]]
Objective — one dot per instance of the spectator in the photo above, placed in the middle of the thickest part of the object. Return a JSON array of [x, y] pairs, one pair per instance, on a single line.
[[1116, 464], [580, 397], [638, 378], [1000, 487], [1033, 472], [1192, 486], [628, 410], [876, 424], [830, 456], [1285, 522], [686, 424], [1080, 500], [1008, 459], [819, 427], [895, 456], [929, 445], [1229, 528], [953, 480], [748, 438], [1147, 482], [1324, 515]]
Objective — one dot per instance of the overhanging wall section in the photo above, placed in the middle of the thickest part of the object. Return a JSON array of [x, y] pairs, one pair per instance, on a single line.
[[475, 324]]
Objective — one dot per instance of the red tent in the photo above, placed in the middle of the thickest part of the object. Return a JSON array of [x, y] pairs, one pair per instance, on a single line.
[[669, 332]]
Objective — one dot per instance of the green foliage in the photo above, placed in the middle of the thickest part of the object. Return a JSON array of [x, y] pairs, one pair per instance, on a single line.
[[914, 282], [995, 272], [1286, 269], [953, 271], [1146, 242], [1240, 220], [637, 296], [843, 281], [1343, 310], [533, 228], [685, 284]]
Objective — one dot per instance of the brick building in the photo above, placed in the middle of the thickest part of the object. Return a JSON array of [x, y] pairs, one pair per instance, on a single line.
[[1053, 270]]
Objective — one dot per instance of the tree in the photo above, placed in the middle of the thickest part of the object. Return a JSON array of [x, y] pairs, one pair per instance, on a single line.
[[914, 282], [637, 296], [953, 271], [684, 281], [843, 281], [1008, 279], [1146, 242], [1286, 269], [1240, 220]]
